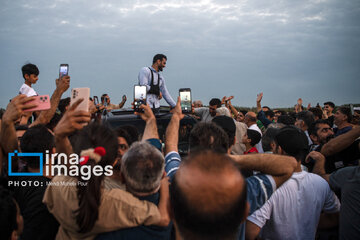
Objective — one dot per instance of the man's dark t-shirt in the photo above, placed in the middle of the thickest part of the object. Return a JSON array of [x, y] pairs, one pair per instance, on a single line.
[[347, 181], [39, 223]]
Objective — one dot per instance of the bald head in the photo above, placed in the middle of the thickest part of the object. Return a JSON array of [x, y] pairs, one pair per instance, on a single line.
[[250, 118], [208, 196]]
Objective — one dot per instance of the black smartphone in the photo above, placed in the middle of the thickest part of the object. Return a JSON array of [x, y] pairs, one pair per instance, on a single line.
[[139, 97], [185, 99], [64, 70]]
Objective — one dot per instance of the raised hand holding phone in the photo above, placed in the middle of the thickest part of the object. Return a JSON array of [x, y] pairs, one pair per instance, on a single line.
[[185, 100]]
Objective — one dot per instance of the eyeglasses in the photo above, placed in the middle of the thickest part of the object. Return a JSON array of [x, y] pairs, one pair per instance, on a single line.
[[324, 130]]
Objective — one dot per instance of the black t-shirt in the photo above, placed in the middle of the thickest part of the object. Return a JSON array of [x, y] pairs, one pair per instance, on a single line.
[[39, 223], [347, 157]]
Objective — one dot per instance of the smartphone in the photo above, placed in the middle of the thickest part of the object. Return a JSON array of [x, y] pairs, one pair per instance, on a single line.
[[96, 100], [77, 93], [185, 99], [43, 102], [64, 70], [139, 97]]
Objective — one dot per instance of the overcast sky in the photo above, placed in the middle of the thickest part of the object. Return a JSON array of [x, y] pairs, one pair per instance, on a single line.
[[286, 49]]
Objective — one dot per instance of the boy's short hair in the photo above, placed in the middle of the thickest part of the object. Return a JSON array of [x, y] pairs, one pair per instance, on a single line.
[[30, 69], [254, 136], [346, 111], [331, 104]]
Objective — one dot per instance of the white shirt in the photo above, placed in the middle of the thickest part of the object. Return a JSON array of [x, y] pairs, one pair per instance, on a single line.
[[28, 91], [293, 211], [152, 100], [259, 145]]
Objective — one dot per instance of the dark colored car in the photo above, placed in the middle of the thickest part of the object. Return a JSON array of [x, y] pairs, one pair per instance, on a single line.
[[122, 117]]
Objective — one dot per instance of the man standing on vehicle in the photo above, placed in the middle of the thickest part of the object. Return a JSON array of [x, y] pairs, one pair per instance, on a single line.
[[155, 83]]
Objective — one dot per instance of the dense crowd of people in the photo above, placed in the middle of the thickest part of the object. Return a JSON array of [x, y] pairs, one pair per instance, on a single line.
[[268, 174]]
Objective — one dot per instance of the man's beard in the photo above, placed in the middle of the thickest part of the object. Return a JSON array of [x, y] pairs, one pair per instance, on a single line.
[[160, 68]]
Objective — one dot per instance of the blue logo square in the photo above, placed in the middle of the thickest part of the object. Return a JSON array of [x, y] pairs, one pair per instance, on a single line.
[[40, 155]]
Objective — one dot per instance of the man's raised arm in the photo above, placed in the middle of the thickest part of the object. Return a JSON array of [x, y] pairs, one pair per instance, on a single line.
[[13, 112], [151, 130], [341, 142], [172, 131], [278, 166], [62, 85]]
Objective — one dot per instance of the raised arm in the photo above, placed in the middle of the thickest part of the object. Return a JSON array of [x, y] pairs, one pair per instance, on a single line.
[[341, 142], [278, 166], [233, 109], [172, 130], [62, 85], [319, 167], [69, 123], [258, 102], [151, 130], [14, 111], [123, 101]]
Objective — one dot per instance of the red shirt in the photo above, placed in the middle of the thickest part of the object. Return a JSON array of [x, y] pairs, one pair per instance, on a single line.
[[252, 150]]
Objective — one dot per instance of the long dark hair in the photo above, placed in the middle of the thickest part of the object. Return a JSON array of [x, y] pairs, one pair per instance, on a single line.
[[89, 193]]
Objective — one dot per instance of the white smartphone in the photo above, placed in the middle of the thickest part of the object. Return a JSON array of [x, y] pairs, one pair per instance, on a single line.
[[64, 70], [77, 93], [185, 98], [139, 97]]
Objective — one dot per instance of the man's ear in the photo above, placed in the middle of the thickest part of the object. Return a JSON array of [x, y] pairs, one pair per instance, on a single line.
[[163, 175], [313, 138], [26, 76], [53, 150]]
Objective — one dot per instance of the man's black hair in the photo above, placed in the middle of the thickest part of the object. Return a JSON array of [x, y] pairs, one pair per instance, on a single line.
[[215, 101], [214, 223], [63, 104], [306, 116], [36, 139], [317, 112], [244, 112], [208, 136], [254, 136], [159, 56], [8, 215], [315, 126], [346, 111], [269, 113], [30, 69], [268, 138], [269, 109], [121, 132], [331, 104], [103, 96], [132, 132], [228, 125], [286, 119]]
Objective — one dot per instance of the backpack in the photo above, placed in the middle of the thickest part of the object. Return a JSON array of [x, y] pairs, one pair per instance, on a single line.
[[154, 89]]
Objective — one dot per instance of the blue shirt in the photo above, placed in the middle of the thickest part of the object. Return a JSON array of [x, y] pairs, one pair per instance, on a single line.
[[259, 187], [145, 80]]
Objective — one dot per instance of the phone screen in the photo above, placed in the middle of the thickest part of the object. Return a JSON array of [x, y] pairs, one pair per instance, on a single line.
[[185, 98], [139, 96], [64, 70]]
